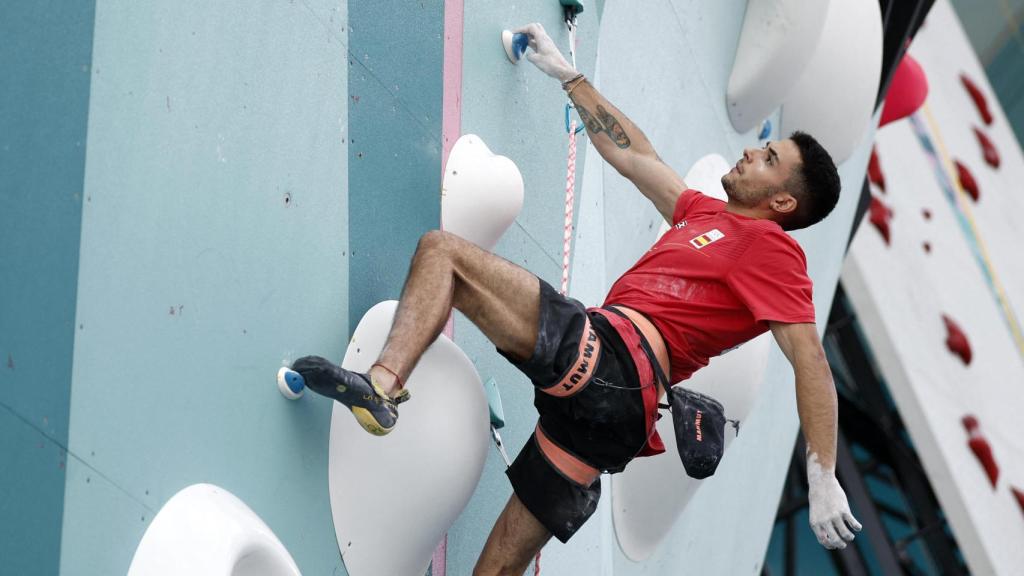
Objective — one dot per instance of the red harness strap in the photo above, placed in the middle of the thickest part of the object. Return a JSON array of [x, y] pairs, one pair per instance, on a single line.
[[578, 375], [645, 373], [568, 464]]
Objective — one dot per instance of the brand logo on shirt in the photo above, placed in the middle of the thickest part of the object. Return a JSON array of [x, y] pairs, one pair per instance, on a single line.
[[707, 238], [680, 225]]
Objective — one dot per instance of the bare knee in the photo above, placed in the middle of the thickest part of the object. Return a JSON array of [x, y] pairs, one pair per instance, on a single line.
[[438, 247], [433, 252], [432, 240], [436, 242]]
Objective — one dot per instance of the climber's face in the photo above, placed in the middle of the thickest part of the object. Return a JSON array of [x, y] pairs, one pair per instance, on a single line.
[[762, 173]]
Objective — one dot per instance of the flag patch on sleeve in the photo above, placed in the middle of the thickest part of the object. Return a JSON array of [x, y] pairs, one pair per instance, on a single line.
[[707, 238]]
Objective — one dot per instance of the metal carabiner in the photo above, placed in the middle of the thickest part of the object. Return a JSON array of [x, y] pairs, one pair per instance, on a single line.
[[580, 127]]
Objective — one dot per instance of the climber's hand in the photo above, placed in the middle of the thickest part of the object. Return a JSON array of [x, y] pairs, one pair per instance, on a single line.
[[545, 55], [830, 516]]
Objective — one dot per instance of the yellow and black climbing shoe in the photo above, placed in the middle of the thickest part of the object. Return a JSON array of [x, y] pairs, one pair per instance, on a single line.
[[373, 409]]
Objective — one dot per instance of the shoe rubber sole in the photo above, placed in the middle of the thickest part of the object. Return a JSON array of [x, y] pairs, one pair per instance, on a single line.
[[292, 386]]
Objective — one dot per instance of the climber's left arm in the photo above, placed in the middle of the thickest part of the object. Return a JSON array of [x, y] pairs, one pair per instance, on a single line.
[[816, 403]]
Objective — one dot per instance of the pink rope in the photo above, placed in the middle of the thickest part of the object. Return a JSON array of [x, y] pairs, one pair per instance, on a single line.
[[570, 201]]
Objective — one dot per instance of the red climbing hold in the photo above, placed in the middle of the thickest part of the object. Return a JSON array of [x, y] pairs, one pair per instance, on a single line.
[[875, 170], [983, 452], [981, 448], [907, 91], [967, 181], [979, 98], [1019, 495], [970, 423], [956, 340], [880, 214], [988, 148]]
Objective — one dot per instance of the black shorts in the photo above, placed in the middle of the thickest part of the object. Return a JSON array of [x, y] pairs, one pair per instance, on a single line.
[[592, 415]]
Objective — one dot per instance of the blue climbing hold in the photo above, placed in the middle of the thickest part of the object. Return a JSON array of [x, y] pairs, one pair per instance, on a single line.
[[290, 383], [515, 45], [766, 130]]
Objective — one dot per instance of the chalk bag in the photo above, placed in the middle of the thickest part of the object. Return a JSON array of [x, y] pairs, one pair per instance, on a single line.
[[699, 421]]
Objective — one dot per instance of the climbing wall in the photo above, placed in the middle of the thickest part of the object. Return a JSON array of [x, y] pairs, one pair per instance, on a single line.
[[256, 178], [952, 255]]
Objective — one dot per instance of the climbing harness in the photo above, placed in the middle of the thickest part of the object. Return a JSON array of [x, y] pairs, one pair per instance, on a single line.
[[697, 419]]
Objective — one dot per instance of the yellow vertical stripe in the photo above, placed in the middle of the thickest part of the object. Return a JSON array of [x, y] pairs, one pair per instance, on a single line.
[[964, 205]]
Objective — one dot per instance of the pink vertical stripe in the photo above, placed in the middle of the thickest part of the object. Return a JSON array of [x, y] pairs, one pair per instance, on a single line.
[[451, 128], [451, 119], [451, 100]]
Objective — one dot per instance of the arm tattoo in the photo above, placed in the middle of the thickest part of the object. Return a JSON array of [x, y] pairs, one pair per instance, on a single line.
[[615, 130], [604, 123], [593, 124]]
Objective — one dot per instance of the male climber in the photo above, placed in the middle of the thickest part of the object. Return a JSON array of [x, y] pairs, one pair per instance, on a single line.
[[724, 273]]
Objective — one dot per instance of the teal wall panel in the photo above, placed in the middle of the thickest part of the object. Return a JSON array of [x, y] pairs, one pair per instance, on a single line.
[[395, 90], [45, 61], [519, 113], [214, 248], [1006, 74]]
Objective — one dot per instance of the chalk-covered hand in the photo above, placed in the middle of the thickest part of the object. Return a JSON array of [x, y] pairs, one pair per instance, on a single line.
[[830, 515], [545, 55]]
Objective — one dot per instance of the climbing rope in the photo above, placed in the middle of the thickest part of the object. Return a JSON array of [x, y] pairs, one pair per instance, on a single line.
[[570, 200], [570, 188], [570, 179]]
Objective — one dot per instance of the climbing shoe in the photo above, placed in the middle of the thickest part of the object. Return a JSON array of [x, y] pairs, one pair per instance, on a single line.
[[374, 410]]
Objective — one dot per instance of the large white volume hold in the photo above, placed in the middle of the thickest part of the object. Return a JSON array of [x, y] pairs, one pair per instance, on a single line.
[[776, 44], [835, 97], [394, 497], [204, 530], [651, 495], [481, 194]]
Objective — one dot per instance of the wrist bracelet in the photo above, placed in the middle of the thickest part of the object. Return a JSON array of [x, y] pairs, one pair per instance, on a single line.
[[576, 78]]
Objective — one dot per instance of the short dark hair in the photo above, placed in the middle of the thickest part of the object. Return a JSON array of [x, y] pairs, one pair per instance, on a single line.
[[815, 185]]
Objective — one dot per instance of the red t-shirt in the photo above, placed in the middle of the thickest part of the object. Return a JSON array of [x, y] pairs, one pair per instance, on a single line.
[[714, 280]]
